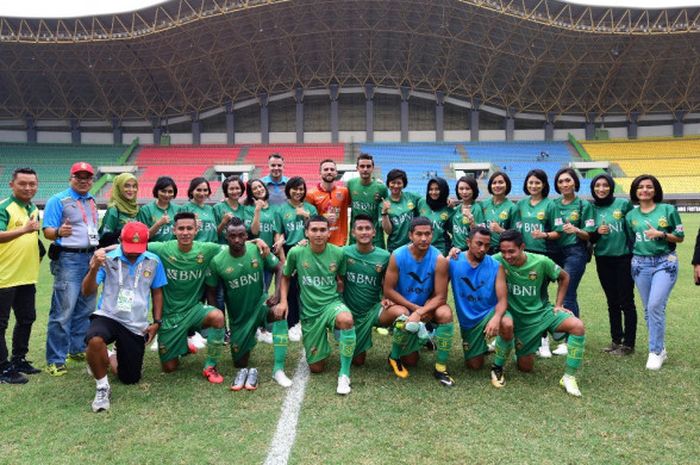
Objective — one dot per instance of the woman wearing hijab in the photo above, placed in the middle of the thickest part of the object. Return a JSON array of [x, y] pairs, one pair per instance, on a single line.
[[613, 258], [121, 209], [434, 207]]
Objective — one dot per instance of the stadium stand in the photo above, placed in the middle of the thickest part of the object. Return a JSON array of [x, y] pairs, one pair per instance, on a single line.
[[300, 160], [52, 163], [677, 161]]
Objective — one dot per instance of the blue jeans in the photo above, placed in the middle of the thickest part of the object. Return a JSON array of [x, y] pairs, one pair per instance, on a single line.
[[572, 259], [70, 309], [655, 277]]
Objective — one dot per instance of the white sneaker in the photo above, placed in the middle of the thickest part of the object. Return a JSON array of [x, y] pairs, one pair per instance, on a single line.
[[295, 333], [544, 351], [102, 399], [561, 349], [154, 344], [343, 385], [198, 341], [281, 379], [655, 361], [569, 383], [263, 336]]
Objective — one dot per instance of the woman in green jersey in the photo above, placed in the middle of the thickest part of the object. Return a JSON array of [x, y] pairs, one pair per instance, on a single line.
[[468, 213], [435, 207], [121, 209], [613, 259], [398, 210], [263, 223], [158, 215], [657, 228], [233, 189], [498, 210], [198, 193]]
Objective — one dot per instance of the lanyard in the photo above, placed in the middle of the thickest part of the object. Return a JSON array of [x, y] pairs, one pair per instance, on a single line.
[[138, 274], [93, 211]]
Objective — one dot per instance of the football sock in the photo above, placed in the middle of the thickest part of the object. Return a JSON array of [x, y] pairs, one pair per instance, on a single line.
[[347, 350], [215, 345], [575, 355], [443, 341], [398, 341], [503, 350], [280, 341], [102, 382]]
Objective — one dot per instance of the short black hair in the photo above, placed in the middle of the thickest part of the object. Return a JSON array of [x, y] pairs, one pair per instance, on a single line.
[[275, 155], [234, 222], [293, 182], [184, 216], [365, 156], [658, 191], [227, 182], [249, 197], [397, 174], [570, 171], [542, 176], [511, 235], [506, 178], [193, 185], [26, 170], [363, 217], [162, 183], [316, 218], [471, 182], [420, 221], [479, 230]]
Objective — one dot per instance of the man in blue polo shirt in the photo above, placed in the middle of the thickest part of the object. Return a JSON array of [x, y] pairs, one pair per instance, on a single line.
[[129, 274], [71, 221], [276, 181]]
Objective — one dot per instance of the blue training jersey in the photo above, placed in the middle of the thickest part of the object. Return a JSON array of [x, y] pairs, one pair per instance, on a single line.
[[474, 289], [416, 278]]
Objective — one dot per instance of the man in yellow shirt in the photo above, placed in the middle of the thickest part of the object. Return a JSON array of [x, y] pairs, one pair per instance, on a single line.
[[19, 260]]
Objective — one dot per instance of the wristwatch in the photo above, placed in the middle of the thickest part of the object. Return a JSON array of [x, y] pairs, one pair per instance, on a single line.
[[158, 322]]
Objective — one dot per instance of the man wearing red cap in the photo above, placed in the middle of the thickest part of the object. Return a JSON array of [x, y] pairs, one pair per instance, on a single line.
[[128, 274], [70, 220]]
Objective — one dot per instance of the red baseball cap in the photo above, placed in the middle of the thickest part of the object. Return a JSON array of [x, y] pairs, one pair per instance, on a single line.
[[81, 166], [134, 237]]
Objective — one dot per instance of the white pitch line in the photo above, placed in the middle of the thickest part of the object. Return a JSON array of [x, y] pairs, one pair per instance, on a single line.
[[283, 440]]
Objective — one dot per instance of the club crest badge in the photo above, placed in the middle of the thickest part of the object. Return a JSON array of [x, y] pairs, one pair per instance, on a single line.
[[200, 258], [617, 214], [333, 267], [503, 215], [540, 216], [532, 275], [663, 222], [254, 263], [410, 206]]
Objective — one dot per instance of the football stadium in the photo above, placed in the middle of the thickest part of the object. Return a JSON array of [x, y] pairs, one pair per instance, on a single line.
[[445, 109]]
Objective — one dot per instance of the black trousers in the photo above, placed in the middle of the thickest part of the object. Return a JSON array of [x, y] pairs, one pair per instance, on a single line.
[[615, 275], [22, 300]]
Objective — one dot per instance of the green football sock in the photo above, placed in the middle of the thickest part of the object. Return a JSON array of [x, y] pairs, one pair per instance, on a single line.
[[215, 346], [503, 350], [280, 341], [575, 355], [398, 341], [347, 349], [443, 341]]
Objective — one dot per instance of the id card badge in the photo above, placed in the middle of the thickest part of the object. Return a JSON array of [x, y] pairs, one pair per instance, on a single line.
[[125, 300], [93, 237]]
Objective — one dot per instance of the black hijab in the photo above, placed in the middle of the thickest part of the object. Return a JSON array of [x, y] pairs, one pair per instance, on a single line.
[[441, 201], [608, 200]]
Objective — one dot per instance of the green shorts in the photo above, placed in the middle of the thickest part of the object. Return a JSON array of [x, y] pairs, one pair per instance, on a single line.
[[528, 337], [474, 340], [315, 331], [243, 331], [172, 336], [363, 328]]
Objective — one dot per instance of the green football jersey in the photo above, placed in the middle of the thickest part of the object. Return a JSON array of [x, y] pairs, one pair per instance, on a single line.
[[617, 242], [540, 217], [461, 226], [292, 224], [243, 212], [400, 214], [527, 284], [501, 214], [364, 275], [114, 221], [317, 276], [663, 217], [579, 213], [205, 214], [186, 272], [442, 222], [149, 215], [244, 287], [269, 224], [367, 199]]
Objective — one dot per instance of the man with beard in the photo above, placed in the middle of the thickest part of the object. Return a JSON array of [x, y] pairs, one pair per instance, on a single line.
[[331, 201]]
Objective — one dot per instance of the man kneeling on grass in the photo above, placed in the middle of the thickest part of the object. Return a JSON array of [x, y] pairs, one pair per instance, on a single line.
[[527, 275], [128, 275]]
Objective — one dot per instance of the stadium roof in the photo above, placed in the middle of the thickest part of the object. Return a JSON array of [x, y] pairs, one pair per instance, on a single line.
[[188, 56]]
